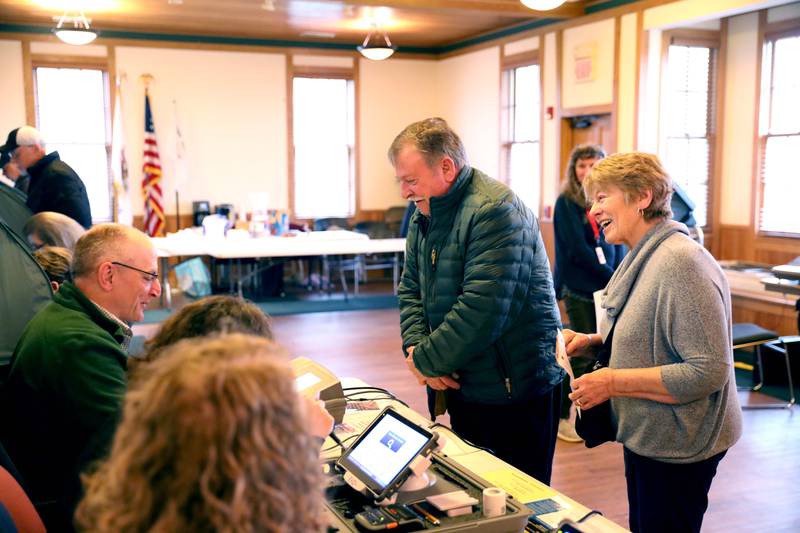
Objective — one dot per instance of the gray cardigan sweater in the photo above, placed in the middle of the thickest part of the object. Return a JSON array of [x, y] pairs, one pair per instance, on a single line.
[[672, 308]]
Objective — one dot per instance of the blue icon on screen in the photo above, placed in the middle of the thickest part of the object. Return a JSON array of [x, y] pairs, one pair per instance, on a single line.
[[392, 441]]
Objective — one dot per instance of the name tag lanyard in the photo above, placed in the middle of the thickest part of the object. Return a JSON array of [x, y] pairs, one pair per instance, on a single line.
[[601, 257]]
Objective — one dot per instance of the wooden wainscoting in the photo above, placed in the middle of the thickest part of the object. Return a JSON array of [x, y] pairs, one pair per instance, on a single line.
[[372, 215], [549, 238], [170, 222], [768, 310], [742, 243], [773, 314]]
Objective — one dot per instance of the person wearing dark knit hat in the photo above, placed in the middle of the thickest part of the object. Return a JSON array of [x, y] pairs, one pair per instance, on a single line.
[[54, 185]]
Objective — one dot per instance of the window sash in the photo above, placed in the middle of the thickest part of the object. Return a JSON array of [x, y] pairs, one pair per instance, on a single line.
[[779, 139], [323, 149], [688, 107], [87, 151], [520, 150]]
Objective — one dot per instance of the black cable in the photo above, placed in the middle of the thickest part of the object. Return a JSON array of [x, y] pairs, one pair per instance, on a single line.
[[333, 436], [589, 514], [368, 388], [440, 425], [388, 395], [339, 443], [354, 397], [391, 398]]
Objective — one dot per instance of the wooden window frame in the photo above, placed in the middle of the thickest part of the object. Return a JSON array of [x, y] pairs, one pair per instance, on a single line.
[[711, 39], [103, 64], [325, 72], [508, 64], [772, 33]]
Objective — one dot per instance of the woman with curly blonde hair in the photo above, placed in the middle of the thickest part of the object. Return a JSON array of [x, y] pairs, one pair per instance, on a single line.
[[213, 438]]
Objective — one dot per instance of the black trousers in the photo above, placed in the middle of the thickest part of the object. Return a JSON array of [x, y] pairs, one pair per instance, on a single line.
[[668, 497], [523, 435]]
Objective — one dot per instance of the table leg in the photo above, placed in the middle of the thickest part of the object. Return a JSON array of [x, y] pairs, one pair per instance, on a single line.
[[166, 291]]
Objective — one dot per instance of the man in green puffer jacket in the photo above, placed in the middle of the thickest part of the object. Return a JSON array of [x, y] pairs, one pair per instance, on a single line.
[[478, 312]]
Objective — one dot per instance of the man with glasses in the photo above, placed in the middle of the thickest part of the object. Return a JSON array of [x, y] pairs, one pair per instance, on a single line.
[[68, 371], [53, 185]]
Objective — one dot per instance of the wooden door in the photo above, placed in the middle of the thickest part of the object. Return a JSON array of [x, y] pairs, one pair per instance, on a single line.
[[587, 129]]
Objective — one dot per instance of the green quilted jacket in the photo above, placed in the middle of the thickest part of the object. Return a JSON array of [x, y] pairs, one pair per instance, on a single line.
[[476, 295]]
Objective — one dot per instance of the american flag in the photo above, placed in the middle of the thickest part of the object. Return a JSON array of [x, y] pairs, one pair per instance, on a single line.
[[151, 182]]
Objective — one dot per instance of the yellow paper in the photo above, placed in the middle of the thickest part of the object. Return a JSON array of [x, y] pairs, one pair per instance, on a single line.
[[523, 488]]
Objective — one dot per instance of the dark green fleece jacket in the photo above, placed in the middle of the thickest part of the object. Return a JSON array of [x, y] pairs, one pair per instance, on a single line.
[[64, 393], [476, 296]]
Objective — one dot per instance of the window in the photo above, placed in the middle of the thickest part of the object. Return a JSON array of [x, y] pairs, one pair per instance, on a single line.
[[520, 129], [779, 135], [323, 131], [72, 112], [687, 118]]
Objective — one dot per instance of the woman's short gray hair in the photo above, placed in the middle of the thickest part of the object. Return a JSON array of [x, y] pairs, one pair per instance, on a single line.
[[434, 138], [634, 173], [54, 229]]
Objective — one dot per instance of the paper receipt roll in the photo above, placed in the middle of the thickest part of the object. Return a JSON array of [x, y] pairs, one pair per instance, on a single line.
[[494, 502]]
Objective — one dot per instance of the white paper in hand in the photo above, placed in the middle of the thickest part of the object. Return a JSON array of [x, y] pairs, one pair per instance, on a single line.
[[563, 360]]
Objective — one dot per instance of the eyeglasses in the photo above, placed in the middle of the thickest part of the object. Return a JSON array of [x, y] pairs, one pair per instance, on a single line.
[[151, 276]]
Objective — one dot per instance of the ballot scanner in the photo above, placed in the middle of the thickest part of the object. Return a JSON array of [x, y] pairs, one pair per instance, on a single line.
[[392, 477], [315, 381]]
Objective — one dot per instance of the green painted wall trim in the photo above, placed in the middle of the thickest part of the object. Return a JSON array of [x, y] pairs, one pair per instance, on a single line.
[[497, 34], [609, 4], [278, 43]]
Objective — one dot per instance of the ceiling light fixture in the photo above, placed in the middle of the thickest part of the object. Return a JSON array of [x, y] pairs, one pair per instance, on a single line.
[[376, 45], [542, 5], [79, 33]]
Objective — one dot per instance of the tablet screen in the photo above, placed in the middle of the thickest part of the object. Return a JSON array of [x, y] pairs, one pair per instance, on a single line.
[[383, 452]]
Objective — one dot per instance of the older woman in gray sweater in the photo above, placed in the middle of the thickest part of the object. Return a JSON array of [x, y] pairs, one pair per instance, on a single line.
[[670, 377]]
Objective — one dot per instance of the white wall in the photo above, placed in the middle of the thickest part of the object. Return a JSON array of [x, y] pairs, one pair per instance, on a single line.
[[12, 88], [739, 120], [787, 12], [676, 14], [650, 94], [597, 38], [551, 175], [232, 113], [392, 94], [232, 106], [626, 95], [56, 47], [469, 99], [521, 45]]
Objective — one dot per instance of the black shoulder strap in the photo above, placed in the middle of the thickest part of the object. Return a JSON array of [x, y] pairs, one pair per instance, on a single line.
[[604, 353]]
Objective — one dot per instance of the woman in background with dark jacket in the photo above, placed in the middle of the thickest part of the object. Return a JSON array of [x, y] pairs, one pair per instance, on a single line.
[[584, 263]]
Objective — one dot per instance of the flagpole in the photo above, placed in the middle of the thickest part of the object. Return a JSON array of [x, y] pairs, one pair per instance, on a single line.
[[177, 212]]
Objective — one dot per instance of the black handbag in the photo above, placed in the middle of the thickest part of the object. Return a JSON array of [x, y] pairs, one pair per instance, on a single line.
[[595, 426]]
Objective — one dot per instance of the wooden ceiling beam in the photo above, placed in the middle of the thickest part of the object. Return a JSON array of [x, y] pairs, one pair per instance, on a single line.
[[508, 8]]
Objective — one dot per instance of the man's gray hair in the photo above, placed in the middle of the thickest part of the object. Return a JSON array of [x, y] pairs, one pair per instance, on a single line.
[[434, 139], [104, 242]]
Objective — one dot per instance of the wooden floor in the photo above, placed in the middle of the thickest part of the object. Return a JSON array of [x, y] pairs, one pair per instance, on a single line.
[[757, 487]]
